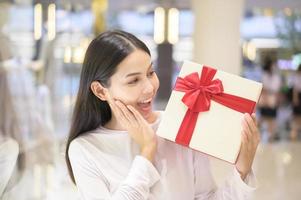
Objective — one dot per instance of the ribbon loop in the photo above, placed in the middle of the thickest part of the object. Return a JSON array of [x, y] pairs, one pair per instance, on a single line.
[[198, 91]]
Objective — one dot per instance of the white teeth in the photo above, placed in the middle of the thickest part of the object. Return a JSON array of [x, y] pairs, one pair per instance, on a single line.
[[146, 101]]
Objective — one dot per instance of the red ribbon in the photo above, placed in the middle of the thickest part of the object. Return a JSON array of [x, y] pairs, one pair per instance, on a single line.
[[199, 91]]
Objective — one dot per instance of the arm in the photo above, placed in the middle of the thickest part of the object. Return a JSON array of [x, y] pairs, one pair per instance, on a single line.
[[93, 184]]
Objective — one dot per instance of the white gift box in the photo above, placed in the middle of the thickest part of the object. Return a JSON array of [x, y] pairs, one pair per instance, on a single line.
[[217, 132]]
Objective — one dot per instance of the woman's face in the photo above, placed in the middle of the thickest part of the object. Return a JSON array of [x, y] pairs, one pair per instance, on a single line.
[[135, 82]]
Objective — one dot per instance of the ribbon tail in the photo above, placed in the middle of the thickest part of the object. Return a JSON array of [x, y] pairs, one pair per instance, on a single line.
[[187, 127], [239, 104]]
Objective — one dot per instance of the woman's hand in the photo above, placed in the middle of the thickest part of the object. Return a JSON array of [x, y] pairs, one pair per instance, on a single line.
[[139, 129], [250, 141]]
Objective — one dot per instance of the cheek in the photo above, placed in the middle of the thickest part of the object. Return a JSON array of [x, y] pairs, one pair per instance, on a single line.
[[126, 95], [132, 95]]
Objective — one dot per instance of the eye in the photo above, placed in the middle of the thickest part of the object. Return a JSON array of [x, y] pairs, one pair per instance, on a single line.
[[151, 73], [133, 81]]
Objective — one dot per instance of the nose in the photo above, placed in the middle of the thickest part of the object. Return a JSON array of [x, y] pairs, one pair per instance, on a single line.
[[148, 87]]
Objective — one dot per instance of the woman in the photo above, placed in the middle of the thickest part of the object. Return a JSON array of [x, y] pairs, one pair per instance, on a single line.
[[112, 150], [296, 122], [269, 98]]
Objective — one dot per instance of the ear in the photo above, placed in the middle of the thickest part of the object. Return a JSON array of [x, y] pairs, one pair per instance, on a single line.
[[98, 90]]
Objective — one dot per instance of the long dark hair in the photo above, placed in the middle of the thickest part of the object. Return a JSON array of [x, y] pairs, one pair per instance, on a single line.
[[102, 57]]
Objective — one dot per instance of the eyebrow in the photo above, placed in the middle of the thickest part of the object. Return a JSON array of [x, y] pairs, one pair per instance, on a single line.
[[137, 73]]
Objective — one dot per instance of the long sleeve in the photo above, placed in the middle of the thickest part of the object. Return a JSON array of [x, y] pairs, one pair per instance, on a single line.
[[93, 184], [234, 188]]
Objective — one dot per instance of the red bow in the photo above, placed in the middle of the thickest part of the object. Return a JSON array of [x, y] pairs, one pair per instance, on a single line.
[[198, 94]]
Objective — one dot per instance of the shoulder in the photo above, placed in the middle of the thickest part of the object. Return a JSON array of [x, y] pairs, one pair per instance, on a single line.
[[81, 145], [81, 153], [76, 149], [97, 143]]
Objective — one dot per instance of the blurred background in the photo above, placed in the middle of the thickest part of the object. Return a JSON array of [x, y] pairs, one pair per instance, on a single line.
[[42, 46]]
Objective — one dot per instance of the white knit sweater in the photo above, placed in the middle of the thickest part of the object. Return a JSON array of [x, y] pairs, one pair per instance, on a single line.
[[107, 165]]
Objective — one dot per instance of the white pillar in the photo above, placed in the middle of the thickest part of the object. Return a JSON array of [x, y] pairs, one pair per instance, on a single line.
[[217, 33]]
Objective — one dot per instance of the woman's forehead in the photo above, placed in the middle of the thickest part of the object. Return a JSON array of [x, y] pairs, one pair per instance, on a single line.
[[137, 61]]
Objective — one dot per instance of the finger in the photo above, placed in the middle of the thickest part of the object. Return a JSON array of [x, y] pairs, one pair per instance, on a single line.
[[113, 105], [116, 110], [255, 122], [245, 143], [126, 112], [244, 138], [245, 126], [255, 127], [248, 145], [136, 113], [120, 117], [110, 99], [246, 135], [254, 118], [250, 123]]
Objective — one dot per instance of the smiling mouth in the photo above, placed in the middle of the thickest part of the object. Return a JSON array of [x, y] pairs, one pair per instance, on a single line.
[[145, 105]]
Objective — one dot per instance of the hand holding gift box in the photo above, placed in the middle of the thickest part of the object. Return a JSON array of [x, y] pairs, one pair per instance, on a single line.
[[206, 108]]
